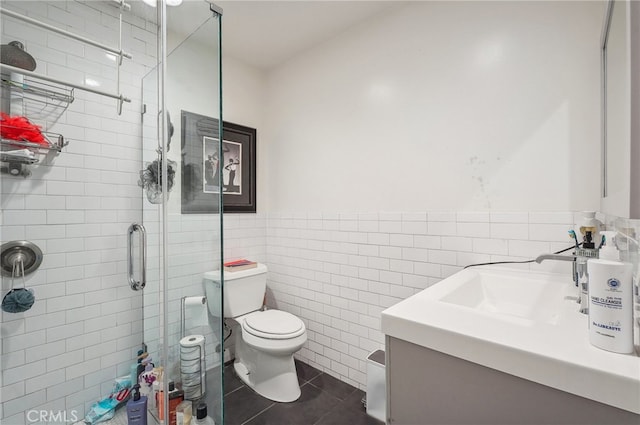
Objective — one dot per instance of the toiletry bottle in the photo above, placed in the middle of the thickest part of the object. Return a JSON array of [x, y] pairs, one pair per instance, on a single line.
[[155, 388], [610, 300], [590, 224], [175, 398], [134, 369], [134, 373], [137, 408], [201, 416], [160, 401], [184, 412]]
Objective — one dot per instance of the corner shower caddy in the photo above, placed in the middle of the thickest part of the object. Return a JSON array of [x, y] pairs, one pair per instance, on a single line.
[[50, 97]]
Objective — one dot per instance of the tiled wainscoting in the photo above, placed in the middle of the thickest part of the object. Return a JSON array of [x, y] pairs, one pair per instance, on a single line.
[[338, 271]]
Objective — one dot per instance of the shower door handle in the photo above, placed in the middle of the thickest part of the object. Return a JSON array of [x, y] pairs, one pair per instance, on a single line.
[[137, 285]]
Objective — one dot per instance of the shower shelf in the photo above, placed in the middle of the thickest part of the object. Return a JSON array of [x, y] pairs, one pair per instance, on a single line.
[[39, 91], [18, 155], [34, 75], [9, 145], [118, 52]]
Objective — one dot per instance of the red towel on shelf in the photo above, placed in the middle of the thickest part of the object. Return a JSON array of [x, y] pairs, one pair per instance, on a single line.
[[19, 128]]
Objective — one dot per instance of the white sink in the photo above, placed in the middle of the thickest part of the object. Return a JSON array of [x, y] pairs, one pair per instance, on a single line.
[[523, 323], [506, 296]]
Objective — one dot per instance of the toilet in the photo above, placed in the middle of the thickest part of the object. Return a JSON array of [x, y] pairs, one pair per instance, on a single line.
[[267, 340]]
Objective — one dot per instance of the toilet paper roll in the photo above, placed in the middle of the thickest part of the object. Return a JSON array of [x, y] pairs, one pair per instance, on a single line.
[[192, 366], [196, 311], [190, 341]]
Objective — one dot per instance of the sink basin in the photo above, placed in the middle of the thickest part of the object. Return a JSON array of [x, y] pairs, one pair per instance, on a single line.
[[528, 299], [521, 322]]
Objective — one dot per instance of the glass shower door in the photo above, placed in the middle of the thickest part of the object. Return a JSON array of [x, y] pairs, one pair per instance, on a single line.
[[182, 96]]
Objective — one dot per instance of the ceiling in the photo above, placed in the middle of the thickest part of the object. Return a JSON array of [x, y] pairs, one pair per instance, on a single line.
[[267, 33]]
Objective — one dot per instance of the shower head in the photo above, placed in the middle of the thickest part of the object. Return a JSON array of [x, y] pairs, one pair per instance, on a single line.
[[14, 54]]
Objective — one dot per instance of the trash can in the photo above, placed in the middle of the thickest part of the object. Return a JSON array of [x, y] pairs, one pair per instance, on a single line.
[[376, 386]]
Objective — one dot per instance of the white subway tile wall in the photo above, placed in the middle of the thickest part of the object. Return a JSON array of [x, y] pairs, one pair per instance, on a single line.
[[338, 271], [86, 324]]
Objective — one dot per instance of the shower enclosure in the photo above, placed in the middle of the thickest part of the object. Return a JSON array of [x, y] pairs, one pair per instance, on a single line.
[[100, 196]]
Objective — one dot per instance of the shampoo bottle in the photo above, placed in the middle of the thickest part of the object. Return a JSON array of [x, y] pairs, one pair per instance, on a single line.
[[175, 398], [610, 300], [137, 408]]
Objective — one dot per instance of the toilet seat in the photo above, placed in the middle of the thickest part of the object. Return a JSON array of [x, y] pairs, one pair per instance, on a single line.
[[273, 324]]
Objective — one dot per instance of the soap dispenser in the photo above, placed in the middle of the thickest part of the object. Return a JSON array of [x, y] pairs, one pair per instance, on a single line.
[[610, 299], [137, 408]]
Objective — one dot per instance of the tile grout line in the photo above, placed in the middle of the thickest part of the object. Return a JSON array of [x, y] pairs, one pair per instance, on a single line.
[[258, 414], [341, 403]]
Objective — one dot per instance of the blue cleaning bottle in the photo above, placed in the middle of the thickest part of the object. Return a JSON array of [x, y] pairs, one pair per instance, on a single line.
[[137, 408], [135, 374], [134, 370]]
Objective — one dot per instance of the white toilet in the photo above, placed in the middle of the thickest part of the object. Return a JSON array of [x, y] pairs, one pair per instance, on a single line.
[[265, 346]]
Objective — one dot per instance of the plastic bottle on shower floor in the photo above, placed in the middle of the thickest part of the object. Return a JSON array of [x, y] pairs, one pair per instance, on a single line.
[[137, 408], [184, 413], [201, 416]]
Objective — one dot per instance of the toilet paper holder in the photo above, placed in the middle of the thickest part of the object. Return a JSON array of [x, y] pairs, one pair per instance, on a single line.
[[183, 302]]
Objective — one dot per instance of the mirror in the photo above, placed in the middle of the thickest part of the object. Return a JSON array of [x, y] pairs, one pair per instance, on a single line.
[[620, 135]]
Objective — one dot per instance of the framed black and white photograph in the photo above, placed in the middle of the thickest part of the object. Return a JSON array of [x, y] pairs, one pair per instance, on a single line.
[[210, 168], [232, 168], [210, 162]]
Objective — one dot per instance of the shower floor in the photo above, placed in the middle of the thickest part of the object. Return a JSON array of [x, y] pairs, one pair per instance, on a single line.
[[325, 400]]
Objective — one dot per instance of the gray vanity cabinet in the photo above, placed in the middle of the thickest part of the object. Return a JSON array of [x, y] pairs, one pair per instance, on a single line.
[[428, 387]]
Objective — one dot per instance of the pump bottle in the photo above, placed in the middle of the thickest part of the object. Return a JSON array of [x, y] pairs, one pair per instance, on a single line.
[[137, 408], [610, 299]]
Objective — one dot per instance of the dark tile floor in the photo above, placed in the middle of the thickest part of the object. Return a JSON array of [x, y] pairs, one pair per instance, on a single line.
[[325, 400]]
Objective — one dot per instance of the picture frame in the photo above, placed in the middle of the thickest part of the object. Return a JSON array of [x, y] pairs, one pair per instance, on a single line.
[[210, 168]]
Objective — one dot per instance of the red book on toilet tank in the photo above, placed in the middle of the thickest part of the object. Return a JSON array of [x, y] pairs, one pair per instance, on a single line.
[[237, 265]]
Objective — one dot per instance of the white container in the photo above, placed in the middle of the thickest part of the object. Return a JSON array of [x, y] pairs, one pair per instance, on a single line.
[[376, 386], [610, 300], [201, 417], [590, 223]]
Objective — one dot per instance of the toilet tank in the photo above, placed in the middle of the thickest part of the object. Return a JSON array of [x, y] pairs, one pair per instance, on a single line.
[[243, 291]]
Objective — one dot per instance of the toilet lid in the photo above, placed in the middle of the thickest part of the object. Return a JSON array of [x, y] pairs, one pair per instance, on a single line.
[[273, 324]]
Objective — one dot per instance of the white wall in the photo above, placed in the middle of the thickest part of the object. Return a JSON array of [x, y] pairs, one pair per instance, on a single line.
[[442, 105], [86, 324], [435, 136]]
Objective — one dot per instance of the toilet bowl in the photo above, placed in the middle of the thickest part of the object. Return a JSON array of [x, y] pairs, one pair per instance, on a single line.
[[267, 339], [264, 353]]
